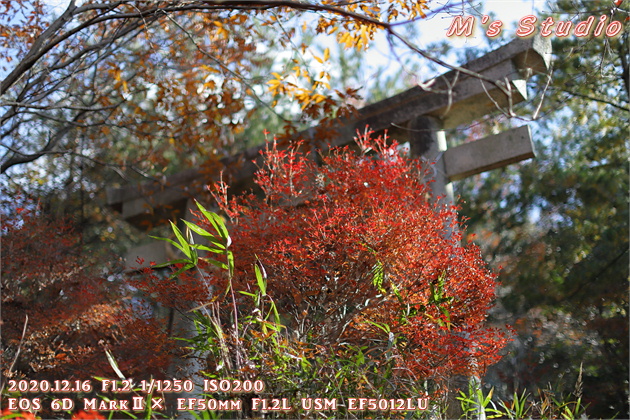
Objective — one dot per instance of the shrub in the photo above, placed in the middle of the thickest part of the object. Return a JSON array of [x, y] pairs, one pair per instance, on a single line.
[[340, 275]]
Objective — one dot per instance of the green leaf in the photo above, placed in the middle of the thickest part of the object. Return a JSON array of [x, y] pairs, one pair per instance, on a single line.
[[360, 358], [217, 222], [181, 270], [197, 229], [170, 263], [204, 233], [486, 401], [262, 285], [378, 276], [216, 263], [180, 237], [170, 241], [383, 327], [230, 259], [206, 248], [113, 364], [276, 315]]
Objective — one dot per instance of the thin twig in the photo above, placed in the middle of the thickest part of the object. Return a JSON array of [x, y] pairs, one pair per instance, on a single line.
[[17, 353]]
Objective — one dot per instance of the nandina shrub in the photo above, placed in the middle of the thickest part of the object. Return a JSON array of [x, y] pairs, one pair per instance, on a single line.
[[358, 257]]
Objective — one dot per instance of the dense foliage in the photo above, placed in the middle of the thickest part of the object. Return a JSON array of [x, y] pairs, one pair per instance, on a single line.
[[348, 268], [356, 240], [61, 313], [559, 227]]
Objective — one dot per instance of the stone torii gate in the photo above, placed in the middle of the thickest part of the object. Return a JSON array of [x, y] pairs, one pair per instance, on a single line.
[[417, 116]]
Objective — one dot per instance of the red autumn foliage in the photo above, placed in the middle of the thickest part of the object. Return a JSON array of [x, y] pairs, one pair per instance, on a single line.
[[74, 313], [87, 415], [355, 241], [23, 415]]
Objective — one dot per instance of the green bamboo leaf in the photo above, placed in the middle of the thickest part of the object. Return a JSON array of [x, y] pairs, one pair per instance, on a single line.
[[396, 292], [204, 233], [260, 280], [216, 263], [276, 315], [206, 248], [170, 263], [180, 237], [360, 358], [446, 313], [272, 326], [378, 276], [181, 270], [170, 241], [197, 229], [194, 256], [383, 327], [486, 401], [217, 223], [113, 364], [230, 259]]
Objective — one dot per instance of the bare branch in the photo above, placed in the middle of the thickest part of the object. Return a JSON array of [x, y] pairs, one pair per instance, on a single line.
[[20, 158]]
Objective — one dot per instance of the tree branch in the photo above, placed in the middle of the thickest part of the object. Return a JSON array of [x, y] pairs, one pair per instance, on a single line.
[[592, 98], [20, 158]]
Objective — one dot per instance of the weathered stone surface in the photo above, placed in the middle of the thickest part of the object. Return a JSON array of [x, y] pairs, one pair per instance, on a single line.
[[489, 153]]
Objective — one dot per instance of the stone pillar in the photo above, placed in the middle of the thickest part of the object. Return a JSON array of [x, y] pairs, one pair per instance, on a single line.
[[427, 139]]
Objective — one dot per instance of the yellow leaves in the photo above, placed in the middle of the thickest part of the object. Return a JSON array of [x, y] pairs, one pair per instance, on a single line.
[[119, 80], [364, 37], [276, 85], [298, 71], [307, 96], [359, 38], [416, 9], [322, 60], [300, 84], [345, 38], [221, 29], [210, 69], [318, 98], [210, 84], [324, 78], [311, 94], [304, 96], [238, 19]]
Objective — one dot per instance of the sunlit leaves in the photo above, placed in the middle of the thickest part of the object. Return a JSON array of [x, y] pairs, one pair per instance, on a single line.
[[355, 242], [177, 80]]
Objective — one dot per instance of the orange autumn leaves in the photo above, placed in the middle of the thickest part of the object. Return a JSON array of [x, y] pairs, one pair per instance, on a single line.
[[174, 83]]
